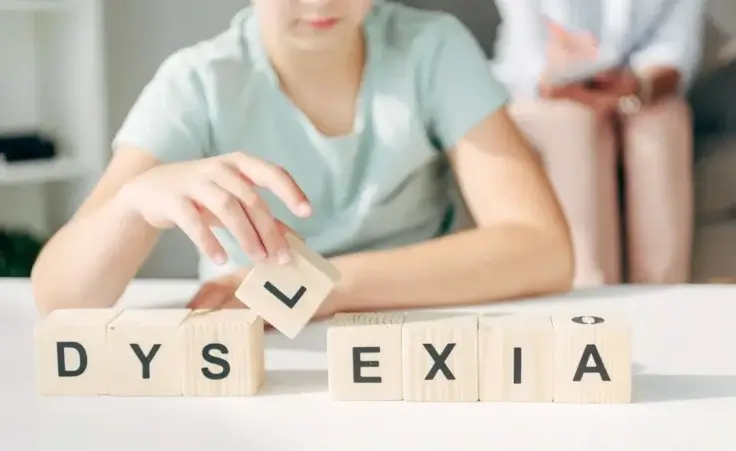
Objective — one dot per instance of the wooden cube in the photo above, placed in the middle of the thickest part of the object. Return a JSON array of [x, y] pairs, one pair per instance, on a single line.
[[224, 354], [364, 356], [592, 359], [288, 295], [145, 352], [516, 358], [70, 350], [440, 357]]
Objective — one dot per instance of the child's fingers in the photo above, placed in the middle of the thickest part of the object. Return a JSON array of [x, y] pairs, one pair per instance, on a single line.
[[228, 209], [284, 229], [274, 178], [185, 215]]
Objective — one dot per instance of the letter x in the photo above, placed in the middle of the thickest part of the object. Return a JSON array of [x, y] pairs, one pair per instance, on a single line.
[[288, 301], [439, 362]]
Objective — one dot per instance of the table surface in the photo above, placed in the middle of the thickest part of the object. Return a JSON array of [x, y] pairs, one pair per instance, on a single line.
[[684, 390]]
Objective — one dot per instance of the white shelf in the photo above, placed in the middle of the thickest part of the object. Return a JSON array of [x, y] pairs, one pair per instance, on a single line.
[[40, 171], [34, 5]]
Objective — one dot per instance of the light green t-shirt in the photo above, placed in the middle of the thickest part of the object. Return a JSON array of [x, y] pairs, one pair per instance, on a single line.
[[427, 82]]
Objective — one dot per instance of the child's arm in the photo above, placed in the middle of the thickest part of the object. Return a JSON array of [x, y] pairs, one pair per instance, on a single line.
[[521, 245], [89, 261]]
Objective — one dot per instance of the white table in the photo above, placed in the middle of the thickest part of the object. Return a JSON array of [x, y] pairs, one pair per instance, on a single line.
[[684, 392]]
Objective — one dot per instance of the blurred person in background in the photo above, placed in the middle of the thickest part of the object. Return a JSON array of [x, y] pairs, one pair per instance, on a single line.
[[634, 114]]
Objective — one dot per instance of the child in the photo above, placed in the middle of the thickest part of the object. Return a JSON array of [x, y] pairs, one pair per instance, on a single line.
[[336, 119]]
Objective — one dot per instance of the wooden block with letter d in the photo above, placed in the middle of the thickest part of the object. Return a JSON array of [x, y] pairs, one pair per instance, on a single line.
[[145, 352], [592, 359], [287, 296], [440, 356], [224, 353], [516, 358], [70, 352], [364, 356]]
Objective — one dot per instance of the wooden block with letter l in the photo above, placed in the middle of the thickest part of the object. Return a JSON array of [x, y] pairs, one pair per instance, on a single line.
[[516, 358], [70, 351], [224, 353], [288, 295], [145, 352], [364, 356], [592, 359], [440, 356]]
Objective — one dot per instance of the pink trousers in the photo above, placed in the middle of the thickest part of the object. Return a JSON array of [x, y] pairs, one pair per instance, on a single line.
[[645, 225]]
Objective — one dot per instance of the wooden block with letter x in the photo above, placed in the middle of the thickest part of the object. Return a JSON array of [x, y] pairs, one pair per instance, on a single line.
[[145, 352], [288, 295], [70, 350], [516, 358], [440, 356], [364, 356], [224, 353], [592, 359]]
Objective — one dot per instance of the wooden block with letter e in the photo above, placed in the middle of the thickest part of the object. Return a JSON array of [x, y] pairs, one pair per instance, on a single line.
[[224, 354], [592, 359], [516, 358], [70, 352], [288, 295], [364, 356], [440, 356], [145, 352]]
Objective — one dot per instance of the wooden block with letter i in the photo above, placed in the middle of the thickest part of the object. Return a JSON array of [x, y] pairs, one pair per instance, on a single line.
[[145, 352], [592, 359], [364, 356], [516, 358], [288, 295], [440, 356], [70, 350], [224, 353]]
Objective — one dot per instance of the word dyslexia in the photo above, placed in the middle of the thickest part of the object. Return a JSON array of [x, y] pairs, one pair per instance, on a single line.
[[413, 356]]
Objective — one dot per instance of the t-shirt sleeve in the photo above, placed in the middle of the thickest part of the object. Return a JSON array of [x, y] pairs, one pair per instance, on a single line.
[[460, 89], [169, 118]]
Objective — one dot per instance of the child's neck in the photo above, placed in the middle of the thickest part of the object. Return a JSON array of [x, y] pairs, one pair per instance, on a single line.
[[337, 65]]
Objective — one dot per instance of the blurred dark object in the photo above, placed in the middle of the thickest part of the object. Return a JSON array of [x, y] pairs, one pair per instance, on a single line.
[[18, 253], [26, 147]]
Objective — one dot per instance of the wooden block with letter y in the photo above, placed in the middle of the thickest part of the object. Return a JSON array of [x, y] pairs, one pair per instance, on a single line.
[[440, 356], [364, 356], [516, 358], [288, 295], [70, 352], [145, 352], [592, 359], [224, 354]]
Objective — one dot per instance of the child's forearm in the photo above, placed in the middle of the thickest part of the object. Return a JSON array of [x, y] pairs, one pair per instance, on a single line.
[[472, 267], [90, 261]]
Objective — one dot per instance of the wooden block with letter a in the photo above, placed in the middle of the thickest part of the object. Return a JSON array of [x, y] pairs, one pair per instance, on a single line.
[[364, 356], [516, 358], [224, 353], [592, 359], [145, 352], [70, 350], [440, 356], [288, 295]]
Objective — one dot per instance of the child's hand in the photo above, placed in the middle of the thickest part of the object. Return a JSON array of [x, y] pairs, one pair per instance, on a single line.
[[218, 191]]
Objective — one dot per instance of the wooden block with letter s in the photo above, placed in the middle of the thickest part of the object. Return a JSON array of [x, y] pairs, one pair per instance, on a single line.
[[592, 359], [224, 353], [364, 357], [70, 352], [288, 295]]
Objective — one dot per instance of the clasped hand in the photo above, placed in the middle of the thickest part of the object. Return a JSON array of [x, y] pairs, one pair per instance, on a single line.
[[603, 92]]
